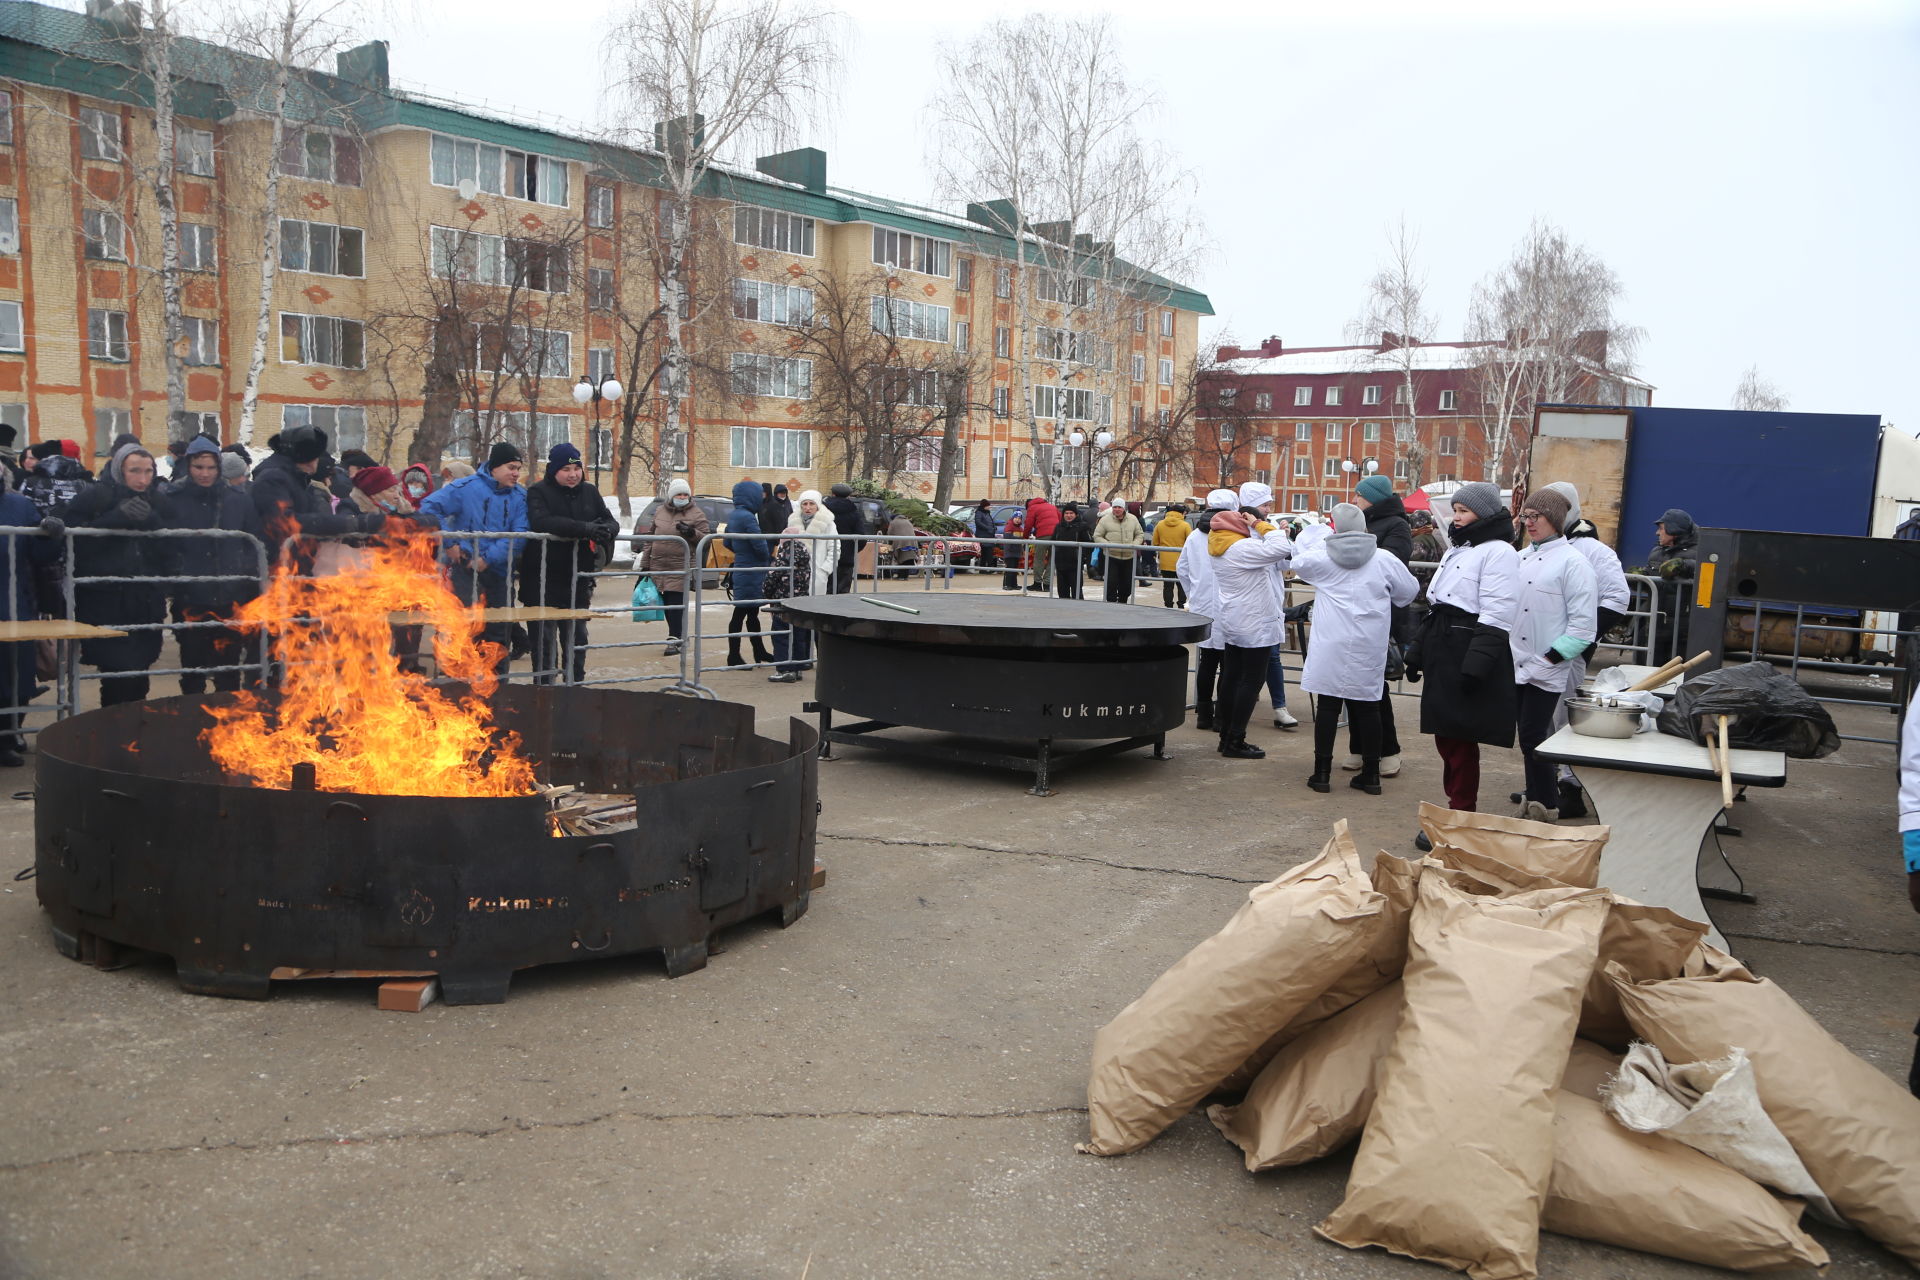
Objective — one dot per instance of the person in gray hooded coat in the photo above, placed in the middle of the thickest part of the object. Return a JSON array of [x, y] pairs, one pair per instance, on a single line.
[[1355, 591]]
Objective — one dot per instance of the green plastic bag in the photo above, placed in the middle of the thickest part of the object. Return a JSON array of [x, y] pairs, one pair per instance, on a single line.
[[646, 602]]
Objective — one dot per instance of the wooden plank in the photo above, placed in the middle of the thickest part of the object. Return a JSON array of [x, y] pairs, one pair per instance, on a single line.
[[513, 613], [53, 629]]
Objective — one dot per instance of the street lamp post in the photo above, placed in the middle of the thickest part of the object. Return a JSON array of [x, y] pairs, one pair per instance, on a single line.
[[1366, 466], [1100, 440], [584, 393]]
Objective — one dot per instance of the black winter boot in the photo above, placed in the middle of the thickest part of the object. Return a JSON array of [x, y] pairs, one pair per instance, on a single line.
[[1573, 804], [1203, 716], [1322, 779], [1368, 779]]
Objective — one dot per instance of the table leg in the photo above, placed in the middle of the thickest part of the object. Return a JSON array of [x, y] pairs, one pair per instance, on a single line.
[[1654, 852]]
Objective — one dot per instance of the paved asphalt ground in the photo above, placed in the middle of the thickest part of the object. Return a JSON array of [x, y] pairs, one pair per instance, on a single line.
[[893, 1087]]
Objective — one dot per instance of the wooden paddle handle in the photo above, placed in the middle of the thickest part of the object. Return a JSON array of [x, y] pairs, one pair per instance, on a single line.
[[1674, 667], [1726, 767]]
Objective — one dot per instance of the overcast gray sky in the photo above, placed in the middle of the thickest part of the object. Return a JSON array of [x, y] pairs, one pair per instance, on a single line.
[[1748, 168]]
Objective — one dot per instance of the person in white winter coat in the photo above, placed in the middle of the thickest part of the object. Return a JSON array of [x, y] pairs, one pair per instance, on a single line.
[[793, 646], [810, 516], [1909, 806], [1614, 599], [1245, 559], [1195, 571], [1554, 618], [1355, 590]]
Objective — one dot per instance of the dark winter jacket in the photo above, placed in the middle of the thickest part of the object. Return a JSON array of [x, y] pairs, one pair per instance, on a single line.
[[846, 519], [792, 573], [187, 505], [775, 512], [548, 570], [1908, 529], [1069, 555], [751, 556], [1393, 532], [1677, 561], [22, 557], [107, 603], [289, 506], [1468, 665], [983, 526], [54, 482]]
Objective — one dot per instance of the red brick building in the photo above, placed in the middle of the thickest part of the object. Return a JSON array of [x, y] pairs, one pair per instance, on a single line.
[[1314, 421]]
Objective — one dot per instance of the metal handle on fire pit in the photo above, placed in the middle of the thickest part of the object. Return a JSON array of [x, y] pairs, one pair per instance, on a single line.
[[351, 807], [604, 944]]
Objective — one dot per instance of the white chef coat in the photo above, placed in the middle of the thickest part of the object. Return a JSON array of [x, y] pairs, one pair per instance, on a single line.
[[1250, 590], [1352, 622], [1556, 598], [1195, 571], [1482, 580]]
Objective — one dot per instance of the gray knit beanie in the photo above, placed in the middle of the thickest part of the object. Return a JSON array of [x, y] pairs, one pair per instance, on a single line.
[[1347, 518], [232, 466], [1479, 497]]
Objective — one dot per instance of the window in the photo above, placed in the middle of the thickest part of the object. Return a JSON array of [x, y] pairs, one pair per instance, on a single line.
[[912, 253], [769, 447], [1328, 501], [1139, 367], [1074, 345], [1303, 468], [6, 139], [1262, 401], [454, 161], [1299, 501], [1139, 322], [109, 425], [772, 229], [1066, 287], [203, 339], [1227, 433], [1333, 433], [1003, 282], [542, 353], [537, 178], [1332, 467], [999, 463], [1403, 470], [905, 319], [107, 335], [1400, 393], [1166, 324], [1002, 402], [1262, 475], [1229, 394], [1449, 400], [1333, 395], [1166, 417], [1166, 373], [963, 274], [600, 447], [13, 331], [99, 135], [599, 206], [1263, 444], [198, 247], [676, 449], [600, 288], [760, 375], [193, 151], [322, 340], [1303, 395], [1447, 446], [322, 248], [9, 225], [1370, 395], [962, 335], [600, 365], [922, 453], [907, 386], [14, 415], [1002, 342], [1370, 432], [1075, 404], [106, 235], [1303, 431], [324, 157], [189, 423], [537, 265], [533, 433]]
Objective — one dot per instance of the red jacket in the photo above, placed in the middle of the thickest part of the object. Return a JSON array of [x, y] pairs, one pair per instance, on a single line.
[[1042, 518]]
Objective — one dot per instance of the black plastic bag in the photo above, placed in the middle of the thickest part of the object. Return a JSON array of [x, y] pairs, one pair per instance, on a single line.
[[1767, 710]]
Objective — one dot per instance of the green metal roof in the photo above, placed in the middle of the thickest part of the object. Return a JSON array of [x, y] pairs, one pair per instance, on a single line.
[[63, 49]]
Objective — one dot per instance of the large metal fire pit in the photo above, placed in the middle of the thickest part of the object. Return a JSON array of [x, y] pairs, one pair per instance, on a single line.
[[1028, 673], [141, 841]]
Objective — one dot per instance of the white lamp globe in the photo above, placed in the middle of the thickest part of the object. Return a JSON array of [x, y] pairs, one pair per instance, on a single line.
[[582, 391], [1104, 439], [1076, 438], [611, 389]]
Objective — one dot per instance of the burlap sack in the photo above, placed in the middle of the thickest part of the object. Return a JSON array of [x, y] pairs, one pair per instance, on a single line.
[[1456, 1158], [1645, 1192], [1291, 940], [1648, 942], [1397, 881], [1316, 1094], [1570, 855], [1857, 1132], [1589, 1067]]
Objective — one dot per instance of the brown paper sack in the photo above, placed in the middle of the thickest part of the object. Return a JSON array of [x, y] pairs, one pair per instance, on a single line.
[[1455, 1161], [1648, 942], [1398, 882], [1589, 1067], [1291, 940], [1570, 855], [1857, 1132], [1315, 1096], [1642, 1191]]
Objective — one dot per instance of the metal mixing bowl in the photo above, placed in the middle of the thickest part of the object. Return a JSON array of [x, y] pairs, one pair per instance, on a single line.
[[1602, 720]]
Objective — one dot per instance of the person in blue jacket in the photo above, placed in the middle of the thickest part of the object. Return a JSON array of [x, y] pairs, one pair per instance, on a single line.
[[747, 584], [489, 501]]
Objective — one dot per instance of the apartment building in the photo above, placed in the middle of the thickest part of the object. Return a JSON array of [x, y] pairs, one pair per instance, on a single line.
[[1315, 421], [444, 276]]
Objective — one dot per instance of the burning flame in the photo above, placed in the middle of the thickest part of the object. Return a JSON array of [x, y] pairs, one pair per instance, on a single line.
[[346, 707]]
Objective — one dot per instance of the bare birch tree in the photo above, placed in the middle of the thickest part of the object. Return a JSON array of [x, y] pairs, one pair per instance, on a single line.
[[1757, 393], [1038, 121], [1396, 318], [708, 76], [1549, 333]]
